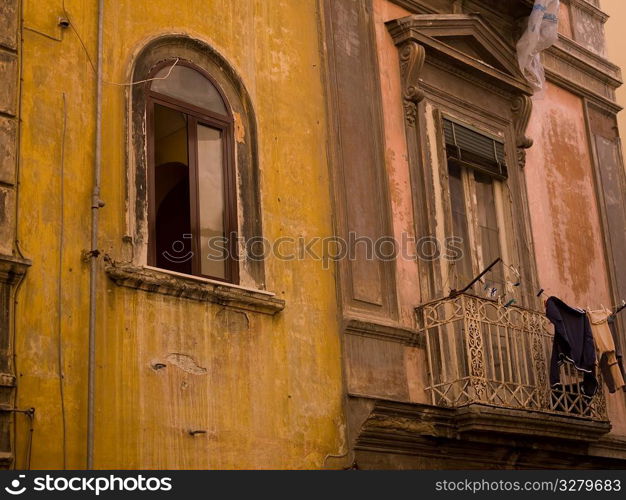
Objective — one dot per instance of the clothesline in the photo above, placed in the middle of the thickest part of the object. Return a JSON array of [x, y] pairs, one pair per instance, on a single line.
[[582, 325], [492, 290], [615, 308]]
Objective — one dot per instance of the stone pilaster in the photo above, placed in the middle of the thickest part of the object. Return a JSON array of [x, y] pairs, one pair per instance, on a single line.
[[12, 268]]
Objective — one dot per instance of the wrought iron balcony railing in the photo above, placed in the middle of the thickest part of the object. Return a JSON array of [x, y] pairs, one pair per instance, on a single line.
[[480, 352]]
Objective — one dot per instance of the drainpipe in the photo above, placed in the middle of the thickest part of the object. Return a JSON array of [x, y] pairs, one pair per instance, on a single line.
[[96, 205]]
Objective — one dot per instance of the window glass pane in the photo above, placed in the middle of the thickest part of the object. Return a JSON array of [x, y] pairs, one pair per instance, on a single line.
[[463, 267], [188, 85], [488, 227], [171, 191], [211, 202]]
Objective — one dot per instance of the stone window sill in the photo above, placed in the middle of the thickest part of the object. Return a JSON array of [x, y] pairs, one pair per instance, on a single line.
[[12, 269], [162, 281]]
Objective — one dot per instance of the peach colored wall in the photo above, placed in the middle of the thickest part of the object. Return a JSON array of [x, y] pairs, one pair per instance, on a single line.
[[564, 212], [396, 159], [396, 153]]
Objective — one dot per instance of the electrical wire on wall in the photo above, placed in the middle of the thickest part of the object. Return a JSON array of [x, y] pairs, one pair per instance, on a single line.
[[30, 413], [64, 23], [70, 24]]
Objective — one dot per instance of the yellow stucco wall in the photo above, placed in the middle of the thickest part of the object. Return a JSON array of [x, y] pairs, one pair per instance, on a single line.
[[270, 395]]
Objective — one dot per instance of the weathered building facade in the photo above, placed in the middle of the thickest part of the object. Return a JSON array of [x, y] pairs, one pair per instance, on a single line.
[[125, 127], [190, 373], [446, 380]]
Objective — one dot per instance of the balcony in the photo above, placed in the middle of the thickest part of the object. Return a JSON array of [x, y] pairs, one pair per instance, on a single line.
[[482, 353]]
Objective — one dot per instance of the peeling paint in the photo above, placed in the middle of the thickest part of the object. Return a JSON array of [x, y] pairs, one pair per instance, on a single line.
[[564, 212], [186, 363], [233, 322], [240, 130]]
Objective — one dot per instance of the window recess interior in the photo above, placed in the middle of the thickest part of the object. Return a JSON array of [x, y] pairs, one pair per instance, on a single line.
[[477, 176]]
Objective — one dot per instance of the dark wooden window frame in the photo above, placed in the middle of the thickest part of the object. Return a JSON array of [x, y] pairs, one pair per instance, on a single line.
[[493, 167], [196, 116]]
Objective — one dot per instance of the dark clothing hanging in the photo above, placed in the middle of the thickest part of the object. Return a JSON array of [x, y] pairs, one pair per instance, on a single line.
[[618, 353], [573, 343]]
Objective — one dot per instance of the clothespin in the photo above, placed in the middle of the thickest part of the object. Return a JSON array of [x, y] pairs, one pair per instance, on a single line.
[[510, 303], [510, 286]]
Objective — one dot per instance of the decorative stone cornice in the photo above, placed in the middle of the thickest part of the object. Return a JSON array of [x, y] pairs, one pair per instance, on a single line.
[[409, 427], [568, 63], [392, 333], [422, 6], [474, 78], [587, 61], [577, 69], [590, 9], [609, 446], [415, 6], [175, 285], [431, 32]]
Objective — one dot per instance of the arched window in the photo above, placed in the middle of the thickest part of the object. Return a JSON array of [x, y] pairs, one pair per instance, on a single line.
[[192, 197]]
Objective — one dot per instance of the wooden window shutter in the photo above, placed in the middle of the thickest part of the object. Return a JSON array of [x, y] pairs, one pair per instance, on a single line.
[[475, 150]]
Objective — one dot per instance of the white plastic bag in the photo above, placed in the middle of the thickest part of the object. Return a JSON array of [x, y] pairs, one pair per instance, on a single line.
[[541, 33]]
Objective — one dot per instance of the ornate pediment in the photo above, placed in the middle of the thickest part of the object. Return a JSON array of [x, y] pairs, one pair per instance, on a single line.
[[467, 41]]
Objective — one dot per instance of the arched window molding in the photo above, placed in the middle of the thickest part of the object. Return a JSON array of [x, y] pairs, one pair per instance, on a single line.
[[195, 53]]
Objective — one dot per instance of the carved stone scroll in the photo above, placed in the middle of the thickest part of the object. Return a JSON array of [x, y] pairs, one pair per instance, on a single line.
[[412, 57]]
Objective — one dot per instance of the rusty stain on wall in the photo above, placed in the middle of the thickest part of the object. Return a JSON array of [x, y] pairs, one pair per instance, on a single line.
[[564, 212], [570, 202]]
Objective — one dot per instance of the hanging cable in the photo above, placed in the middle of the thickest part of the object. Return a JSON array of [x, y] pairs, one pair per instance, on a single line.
[[93, 66], [96, 205], [30, 413], [18, 248], [31, 431]]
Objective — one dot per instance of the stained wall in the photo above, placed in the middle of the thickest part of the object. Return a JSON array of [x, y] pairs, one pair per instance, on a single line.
[[180, 383]]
